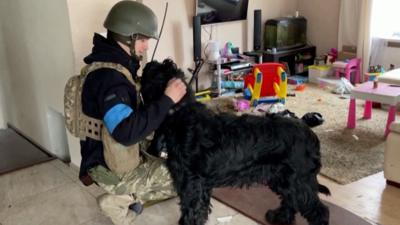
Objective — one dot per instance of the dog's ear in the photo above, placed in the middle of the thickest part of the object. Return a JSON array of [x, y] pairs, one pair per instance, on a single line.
[[156, 77], [150, 69], [172, 70], [152, 82]]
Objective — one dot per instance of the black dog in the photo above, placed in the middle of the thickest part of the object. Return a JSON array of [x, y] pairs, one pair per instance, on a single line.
[[207, 150]]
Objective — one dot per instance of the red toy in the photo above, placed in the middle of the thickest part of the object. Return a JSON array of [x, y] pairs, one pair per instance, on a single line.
[[270, 76]]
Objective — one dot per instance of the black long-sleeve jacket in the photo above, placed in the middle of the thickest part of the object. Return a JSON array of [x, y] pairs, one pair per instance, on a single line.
[[108, 95]]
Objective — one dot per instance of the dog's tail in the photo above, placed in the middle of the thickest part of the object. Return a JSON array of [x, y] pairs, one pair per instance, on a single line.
[[323, 189]]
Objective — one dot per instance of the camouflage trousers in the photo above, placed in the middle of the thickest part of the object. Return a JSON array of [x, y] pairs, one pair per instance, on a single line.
[[148, 183]]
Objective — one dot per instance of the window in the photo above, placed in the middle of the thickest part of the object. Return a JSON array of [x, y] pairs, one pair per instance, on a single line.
[[385, 19]]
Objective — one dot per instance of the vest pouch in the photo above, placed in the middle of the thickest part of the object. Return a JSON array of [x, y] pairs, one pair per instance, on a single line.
[[119, 158]]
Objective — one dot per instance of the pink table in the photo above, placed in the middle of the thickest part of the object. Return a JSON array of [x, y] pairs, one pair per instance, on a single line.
[[384, 93]]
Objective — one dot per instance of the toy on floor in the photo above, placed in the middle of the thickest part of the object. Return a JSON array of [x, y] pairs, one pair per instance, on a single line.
[[203, 96], [344, 86], [281, 88], [276, 108], [241, 105], [300, 87], [297, 79], [266, 84], [256, 91]]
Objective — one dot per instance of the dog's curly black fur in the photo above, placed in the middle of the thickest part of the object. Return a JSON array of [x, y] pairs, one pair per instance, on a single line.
[[207, 150]]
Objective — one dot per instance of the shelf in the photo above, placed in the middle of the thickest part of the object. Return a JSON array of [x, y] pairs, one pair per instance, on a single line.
[[220, 75], [289, 58]]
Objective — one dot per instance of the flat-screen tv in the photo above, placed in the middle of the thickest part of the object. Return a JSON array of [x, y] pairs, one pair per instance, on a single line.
[[285, 33], [217, 11]]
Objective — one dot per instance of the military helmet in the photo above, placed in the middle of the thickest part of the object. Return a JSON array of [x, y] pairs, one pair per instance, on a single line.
[[128, 18]]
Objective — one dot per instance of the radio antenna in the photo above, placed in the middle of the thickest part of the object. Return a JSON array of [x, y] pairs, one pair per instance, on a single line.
[[162, 27]]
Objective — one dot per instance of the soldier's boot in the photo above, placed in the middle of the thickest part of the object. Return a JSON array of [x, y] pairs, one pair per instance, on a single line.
[[137, 207], [118, 208]]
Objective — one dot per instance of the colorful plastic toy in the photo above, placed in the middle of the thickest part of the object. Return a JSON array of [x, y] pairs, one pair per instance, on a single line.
[[242, 105], [270, 75], [203, 96], [256, 91], [281, 87], [262, 90]]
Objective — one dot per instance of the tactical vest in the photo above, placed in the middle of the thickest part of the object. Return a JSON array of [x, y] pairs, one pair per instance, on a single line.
[[119, 158]]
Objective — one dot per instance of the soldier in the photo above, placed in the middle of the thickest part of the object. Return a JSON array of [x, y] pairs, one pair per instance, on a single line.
[[110, 99]]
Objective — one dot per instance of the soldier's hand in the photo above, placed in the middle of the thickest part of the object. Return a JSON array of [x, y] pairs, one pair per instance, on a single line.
[[176, 89]]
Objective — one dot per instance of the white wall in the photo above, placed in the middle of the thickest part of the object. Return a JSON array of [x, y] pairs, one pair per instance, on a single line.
[[3, 83], [323, 22], [37, 51]]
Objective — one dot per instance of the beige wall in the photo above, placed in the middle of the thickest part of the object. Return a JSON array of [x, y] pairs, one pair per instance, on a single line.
[[177, 38], [323, 22], [37, 52], [86, 17]]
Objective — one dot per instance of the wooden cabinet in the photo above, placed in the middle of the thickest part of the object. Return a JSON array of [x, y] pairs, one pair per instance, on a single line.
[[296, 60]]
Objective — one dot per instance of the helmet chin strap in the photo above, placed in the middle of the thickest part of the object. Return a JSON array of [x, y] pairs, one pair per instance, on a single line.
[[134, 38], [128, 41]]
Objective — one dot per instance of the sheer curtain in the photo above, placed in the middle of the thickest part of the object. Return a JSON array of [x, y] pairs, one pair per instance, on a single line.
[[355, 28], [364, 34], [378, 46], [348, 22]]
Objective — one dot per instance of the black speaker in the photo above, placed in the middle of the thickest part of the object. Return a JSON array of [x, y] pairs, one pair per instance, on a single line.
[[196, 38], [257, 30]]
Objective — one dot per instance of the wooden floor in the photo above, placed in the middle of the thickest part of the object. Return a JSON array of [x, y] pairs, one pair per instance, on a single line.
[[370, 198]]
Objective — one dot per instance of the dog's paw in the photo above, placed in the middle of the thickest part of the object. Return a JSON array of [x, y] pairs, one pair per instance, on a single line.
[[279, 217]]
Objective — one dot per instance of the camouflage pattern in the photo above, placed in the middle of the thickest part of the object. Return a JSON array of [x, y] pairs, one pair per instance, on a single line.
[[148, 183], [77, 123]]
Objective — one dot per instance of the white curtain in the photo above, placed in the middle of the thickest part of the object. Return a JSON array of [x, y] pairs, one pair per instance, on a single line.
[[378, 46], [364, 34], [348, 23], [355, 28]]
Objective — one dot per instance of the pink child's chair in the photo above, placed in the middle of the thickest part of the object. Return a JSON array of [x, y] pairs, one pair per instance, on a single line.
[[346, 68]]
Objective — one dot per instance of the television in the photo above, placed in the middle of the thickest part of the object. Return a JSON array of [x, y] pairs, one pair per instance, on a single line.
[[217, 11], [285, 33]]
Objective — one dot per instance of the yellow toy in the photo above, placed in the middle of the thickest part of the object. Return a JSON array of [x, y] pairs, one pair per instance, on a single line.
[[256, 91], [281, 88], [203, 96]]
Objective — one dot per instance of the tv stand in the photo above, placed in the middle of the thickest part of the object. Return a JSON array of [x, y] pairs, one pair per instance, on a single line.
[[297, 60]]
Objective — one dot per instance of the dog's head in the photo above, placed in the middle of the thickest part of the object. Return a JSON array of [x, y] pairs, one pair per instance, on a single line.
[[155, 79]]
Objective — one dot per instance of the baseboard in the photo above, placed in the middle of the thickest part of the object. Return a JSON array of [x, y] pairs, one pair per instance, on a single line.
[[41, 148], [393, 183]]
